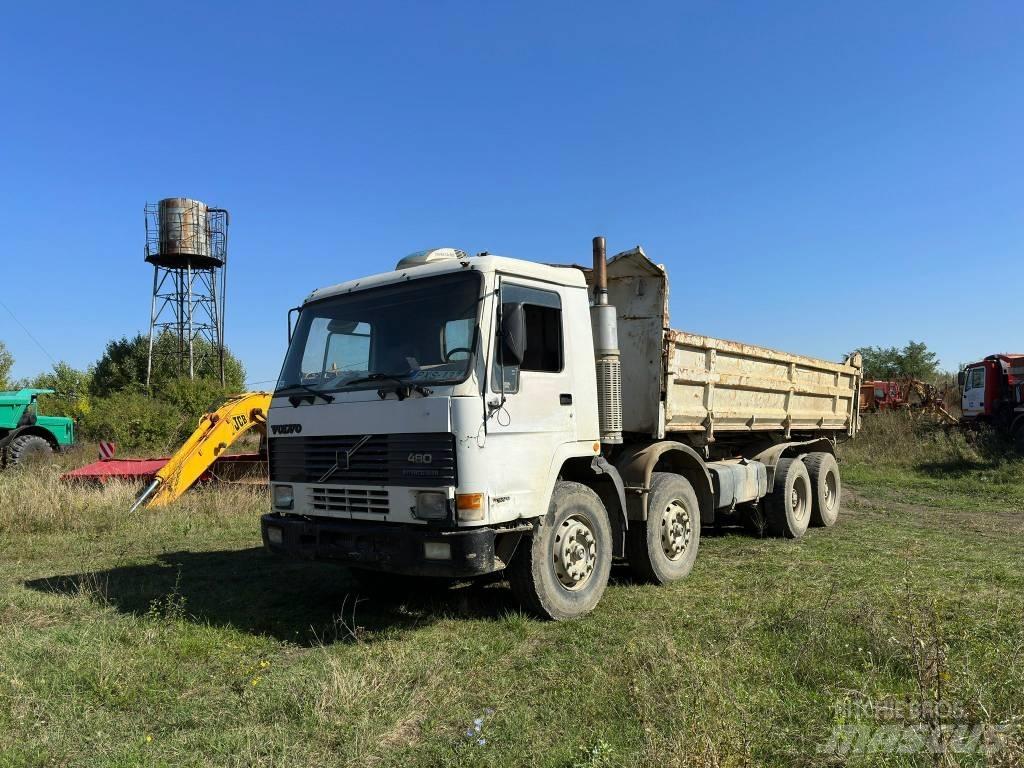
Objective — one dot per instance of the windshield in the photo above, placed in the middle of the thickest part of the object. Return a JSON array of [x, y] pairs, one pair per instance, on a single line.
[[420, 332]]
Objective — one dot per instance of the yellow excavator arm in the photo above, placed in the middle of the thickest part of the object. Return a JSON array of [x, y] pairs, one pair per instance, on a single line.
[[216, 431]]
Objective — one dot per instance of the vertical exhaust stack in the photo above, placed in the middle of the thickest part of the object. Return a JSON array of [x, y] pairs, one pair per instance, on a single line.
[[606, 352]]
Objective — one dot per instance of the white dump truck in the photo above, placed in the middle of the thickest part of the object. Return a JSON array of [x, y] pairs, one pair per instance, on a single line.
[[464, 415]]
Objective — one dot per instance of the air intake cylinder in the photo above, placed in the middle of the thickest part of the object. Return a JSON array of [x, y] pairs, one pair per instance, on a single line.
[[606, 352]]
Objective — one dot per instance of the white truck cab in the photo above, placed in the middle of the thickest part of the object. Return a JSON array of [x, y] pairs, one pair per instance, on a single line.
[[463, 415]]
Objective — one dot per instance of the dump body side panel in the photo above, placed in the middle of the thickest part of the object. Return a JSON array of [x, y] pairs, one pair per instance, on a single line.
[[716, 385]]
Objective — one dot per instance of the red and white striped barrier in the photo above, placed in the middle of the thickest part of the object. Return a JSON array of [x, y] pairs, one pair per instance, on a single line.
[[107, 450]]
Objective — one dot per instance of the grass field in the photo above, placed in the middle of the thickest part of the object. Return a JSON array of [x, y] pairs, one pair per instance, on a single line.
[[169, 638]]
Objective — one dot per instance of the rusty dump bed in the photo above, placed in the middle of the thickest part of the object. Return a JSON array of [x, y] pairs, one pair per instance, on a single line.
[[679, 382]]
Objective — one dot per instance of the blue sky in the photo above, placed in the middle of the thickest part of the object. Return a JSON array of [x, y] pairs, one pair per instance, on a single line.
[[815, 176]]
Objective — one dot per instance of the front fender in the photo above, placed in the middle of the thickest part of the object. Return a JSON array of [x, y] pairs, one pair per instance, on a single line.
[[565, 452]]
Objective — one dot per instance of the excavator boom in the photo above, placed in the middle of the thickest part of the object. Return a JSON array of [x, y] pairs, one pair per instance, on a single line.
[[215, 433]]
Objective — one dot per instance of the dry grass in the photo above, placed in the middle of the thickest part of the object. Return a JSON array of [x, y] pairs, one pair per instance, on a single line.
[[169, 638]]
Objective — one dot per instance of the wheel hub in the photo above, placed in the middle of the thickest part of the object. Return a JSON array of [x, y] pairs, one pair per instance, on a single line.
[[575, 553], [676, 530], [798, 499], [830, 490]]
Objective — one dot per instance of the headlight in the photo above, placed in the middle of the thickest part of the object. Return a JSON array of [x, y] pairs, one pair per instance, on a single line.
[[284, 497], [431, 505]]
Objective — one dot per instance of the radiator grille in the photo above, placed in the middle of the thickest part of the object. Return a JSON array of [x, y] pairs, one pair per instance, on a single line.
[[421, 459], [348, 500]]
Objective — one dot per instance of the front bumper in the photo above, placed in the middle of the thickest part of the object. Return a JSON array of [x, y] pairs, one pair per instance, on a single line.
[[394, 548]]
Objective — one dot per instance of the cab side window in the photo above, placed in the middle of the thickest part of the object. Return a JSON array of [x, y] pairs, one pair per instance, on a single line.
[[977, 378], [542, 312]]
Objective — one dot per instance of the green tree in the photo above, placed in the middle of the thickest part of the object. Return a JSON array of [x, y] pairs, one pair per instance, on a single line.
[[71, 387], [882, 363], [135, 422], [918, 362], [912, 361], [122, 368], [6, 363]]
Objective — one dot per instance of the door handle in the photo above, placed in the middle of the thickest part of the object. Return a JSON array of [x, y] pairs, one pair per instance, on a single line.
[[565, 399]]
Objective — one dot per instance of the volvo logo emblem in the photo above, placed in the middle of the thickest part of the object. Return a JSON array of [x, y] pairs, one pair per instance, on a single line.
[[343, 458], [286, 429]]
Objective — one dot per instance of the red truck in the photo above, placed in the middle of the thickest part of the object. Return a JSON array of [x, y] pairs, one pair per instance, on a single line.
[[992, 391]]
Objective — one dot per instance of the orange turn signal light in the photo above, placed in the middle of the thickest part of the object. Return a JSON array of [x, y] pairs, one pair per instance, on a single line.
[[469, 507], [469, 501]]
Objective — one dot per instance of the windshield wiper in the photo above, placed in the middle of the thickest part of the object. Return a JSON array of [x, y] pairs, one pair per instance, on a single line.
[[402, 389], [295, 400], [395, 377]]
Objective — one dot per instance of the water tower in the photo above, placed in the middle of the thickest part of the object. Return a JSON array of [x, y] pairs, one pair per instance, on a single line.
[[187, 244]]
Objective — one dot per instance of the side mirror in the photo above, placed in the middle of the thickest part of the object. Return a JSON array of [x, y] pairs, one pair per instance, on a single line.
[[961, 378], [295, 310], [513, 333]]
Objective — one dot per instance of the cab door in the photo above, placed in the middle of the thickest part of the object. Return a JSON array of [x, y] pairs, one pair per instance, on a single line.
[[973, 399], [531, 405]]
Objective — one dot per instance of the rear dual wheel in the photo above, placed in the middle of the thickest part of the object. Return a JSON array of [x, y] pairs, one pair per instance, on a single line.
[[806, 492], [827, 488], [788, 507]]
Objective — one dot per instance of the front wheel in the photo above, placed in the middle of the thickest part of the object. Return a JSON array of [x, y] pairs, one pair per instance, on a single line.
[[562, 570], [663, 548]]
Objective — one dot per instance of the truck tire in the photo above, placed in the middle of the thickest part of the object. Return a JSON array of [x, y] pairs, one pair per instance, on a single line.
[[26, 449], [788, 507], [664, 547], [826, 486], [561, 570]]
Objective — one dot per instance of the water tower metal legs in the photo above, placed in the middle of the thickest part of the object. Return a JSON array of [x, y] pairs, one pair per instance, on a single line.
[[185, 306], [191, 359], [152, 320]]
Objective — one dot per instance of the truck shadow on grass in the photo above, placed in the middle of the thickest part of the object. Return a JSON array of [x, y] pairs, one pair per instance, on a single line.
[[307, 604]]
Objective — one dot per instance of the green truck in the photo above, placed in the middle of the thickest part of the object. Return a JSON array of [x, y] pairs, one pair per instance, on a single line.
[[25, 434]]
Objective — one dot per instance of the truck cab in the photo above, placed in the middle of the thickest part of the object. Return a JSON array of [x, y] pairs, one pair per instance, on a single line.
[[400, 403], [992, 391]]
